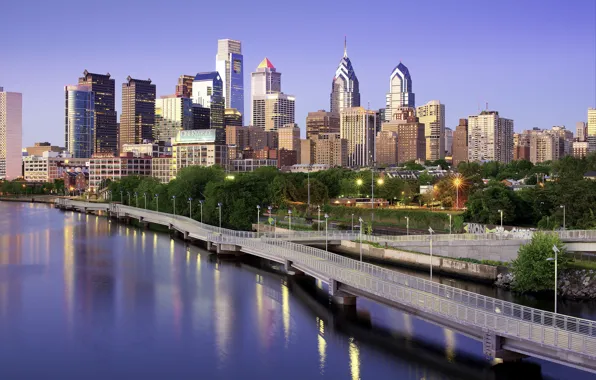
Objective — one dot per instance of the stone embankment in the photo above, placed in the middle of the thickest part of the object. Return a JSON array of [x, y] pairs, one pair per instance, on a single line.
[[578, 284]]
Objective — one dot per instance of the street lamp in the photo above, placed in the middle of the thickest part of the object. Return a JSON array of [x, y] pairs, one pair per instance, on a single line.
[[360, 220], [352, 222], [430, 230], [258, 216], [157, 202], [190, 207], [449, 224], [326, 216], [270, 215], [145, 196], [407, 226], [290, 219], [359, 183], [174, 200], [457, 183], [563, 207], [137, 199], [501, 212], [308, 187], [319, 219], [201, 203], [219, 206], [556, 251]]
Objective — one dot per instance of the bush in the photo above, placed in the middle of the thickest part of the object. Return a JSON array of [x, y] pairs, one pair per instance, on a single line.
[[532, 271]]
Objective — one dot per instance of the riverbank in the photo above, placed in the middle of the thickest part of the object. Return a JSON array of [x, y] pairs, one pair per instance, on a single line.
[[49, 199], [573, 284]]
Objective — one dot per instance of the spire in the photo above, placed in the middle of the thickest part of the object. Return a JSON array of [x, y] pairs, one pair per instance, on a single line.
[[266, 63], [345, 46]]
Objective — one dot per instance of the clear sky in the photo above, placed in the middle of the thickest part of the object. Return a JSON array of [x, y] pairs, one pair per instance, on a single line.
[[533, 61]]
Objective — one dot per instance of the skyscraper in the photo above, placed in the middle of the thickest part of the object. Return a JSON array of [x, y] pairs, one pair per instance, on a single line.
[[490, 137], [460, 143], [321, 122], [400, 91], [232, 117], [591, 121], [172, 114], [386, 148], [289, 137], [79, 120], [448, 141], [432, 114], [207, 90], [357, 125], [184, 86], [273, 111], [345, 90], [11, 134], [330, 149], [105, 119], [265, 80], [229, 63], [138, 111], [581, 131]]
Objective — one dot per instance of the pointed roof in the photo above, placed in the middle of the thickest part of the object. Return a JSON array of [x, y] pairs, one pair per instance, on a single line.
[[266, 64]]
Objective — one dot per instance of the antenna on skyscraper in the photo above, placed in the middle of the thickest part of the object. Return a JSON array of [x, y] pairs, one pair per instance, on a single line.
[[345, 46], [487, 106]]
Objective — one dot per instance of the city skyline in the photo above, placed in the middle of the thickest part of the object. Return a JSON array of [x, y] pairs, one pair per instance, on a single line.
[[456, 67]]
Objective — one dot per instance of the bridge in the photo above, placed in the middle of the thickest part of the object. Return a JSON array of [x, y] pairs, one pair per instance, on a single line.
[[507, 330]]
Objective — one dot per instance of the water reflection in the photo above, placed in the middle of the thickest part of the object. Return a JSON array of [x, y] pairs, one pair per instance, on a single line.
[[354, 360]]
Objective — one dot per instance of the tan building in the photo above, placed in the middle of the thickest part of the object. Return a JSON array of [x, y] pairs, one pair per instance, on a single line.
[[40, 147], [432, 115], [357, 126], [386, 148], [184, 86], [580, 149], [163, 168], [321, 121], [591, 122], [48, 167], [331, 149], [521, 146], [307, 151], [460, 143], [116, 168], [289, 137], [273, 111], [544, 146], [490, 137], [198, 148], [411, 143]]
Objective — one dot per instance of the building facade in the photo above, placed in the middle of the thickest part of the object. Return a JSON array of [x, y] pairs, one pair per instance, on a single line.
[[138, 111], [357, 126], [321, 121], [591, 125], [184, 86], [400, 93], [345, 89], [386, 148], [490, 137], [273, 111], [411, 143], [79, 120], [521, 146], [105, 119], [154, 149], [544, 146], [198, 148], [581, 131], [460, 143], [11, 134], [307, 151], [580, 149], [331, 149], [50, 166], [39, 148], [163, 168], [208, 91], [229, 63], [432, 114], [232, 117], [289, 137], [448, 141], [172, 114], [115, 168], [265, 80]]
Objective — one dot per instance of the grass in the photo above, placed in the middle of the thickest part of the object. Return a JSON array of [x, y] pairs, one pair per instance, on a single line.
[[485, 262]]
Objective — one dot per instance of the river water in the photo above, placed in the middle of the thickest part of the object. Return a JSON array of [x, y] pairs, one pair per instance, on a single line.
[[82, 297]]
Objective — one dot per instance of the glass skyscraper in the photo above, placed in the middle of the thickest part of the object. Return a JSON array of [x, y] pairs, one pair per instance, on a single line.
[[229, 62], [79, 120], [345, 90], [400, 91], [207, 91]]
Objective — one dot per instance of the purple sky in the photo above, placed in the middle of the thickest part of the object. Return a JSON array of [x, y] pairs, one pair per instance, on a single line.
[[533, 61]]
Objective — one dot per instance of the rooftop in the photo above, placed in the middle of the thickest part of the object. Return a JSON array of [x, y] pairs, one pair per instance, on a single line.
[[266, 64]]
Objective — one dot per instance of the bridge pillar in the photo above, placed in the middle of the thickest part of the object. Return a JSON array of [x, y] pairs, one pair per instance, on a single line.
[[185, 237], [290, 270], [339, 297], [492, 347]]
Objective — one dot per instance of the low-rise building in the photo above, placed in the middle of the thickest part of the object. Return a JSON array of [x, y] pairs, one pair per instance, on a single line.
[[249, 165], [304, 168], [76, 181], [163, 168], [106, 168], [198, 147], [580, 149], [51, 166]]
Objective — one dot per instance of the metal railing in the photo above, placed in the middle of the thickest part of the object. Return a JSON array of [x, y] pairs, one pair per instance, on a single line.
[[467, 308]]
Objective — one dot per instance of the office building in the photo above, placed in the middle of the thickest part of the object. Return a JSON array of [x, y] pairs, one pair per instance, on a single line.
[[163, 168], [51, 165], [330, 149], [357, 126], [273, 111], [591, 128], [232, 117], [386, 148], [581, 131], [521, 146], [307, 151], [79, 121], [39, 148], [105, 127], [448, 141], [580, 149], [460, 143], [104, 167], [321, 121], [400, 93], [565, 139], [198, 148], [345, 90], [207, 91], [184, 86], [172, 114], [11, 134], [201, 117], [138, 111], [411, 143], [250, 164], [432, 114], [490, 137], [265, 80], [151, 149], [289, 137], [544, 146], [229, 63]]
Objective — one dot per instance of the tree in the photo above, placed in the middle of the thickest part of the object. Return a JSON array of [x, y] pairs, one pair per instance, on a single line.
[[483, 205], [413, 165], [532, 270]]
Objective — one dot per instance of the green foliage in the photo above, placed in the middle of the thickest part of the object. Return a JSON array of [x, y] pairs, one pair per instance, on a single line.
[[483, 205], [532, 271], [485, 262], [412, 165]]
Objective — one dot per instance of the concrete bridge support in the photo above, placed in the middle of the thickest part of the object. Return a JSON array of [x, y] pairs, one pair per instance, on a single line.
[[291, 270], [492, 347], [339, 297]]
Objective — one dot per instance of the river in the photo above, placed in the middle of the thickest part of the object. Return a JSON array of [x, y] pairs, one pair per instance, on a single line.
[[82, 297]]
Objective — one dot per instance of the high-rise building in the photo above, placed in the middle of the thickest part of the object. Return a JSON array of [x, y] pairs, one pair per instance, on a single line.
[[207, 90], [79, 120], [331, 149], [11, 134], [400, 93], [307, 151], [448, 141], [386, 148], [565, 139], [138, 111], [580, 149], [184, 86], [490, 137], [198, 148], [357, 126], [581, 131], [460, 143], [411, 143], [273, 111], [591, 122], [201, 117], [432, 114], [321, 122], [106, 127], [172, 114], [229, 62], [265, 80], [232, 117], [289, 137], [345, 90], [521, 146], [544, 146]]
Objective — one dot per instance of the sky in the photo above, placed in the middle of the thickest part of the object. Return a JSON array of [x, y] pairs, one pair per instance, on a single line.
[[533, 61]]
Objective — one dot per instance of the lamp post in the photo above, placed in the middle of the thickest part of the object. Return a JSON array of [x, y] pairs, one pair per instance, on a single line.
[[258, 216], [157, 202], [430, 230], [174, 200], [121, 196], [556, 251], [501, 212], [270, 216], [449, 224], [136, 199], [219, 206], [457, 183], [360, 220], [359, 183], [190, 207], [352, 222], [201, 203], [145, 196], [563, 207], [290, 219], [128, 197], [319, 219], [407, 226], [326, 216], [109, 192], [308, 197]]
